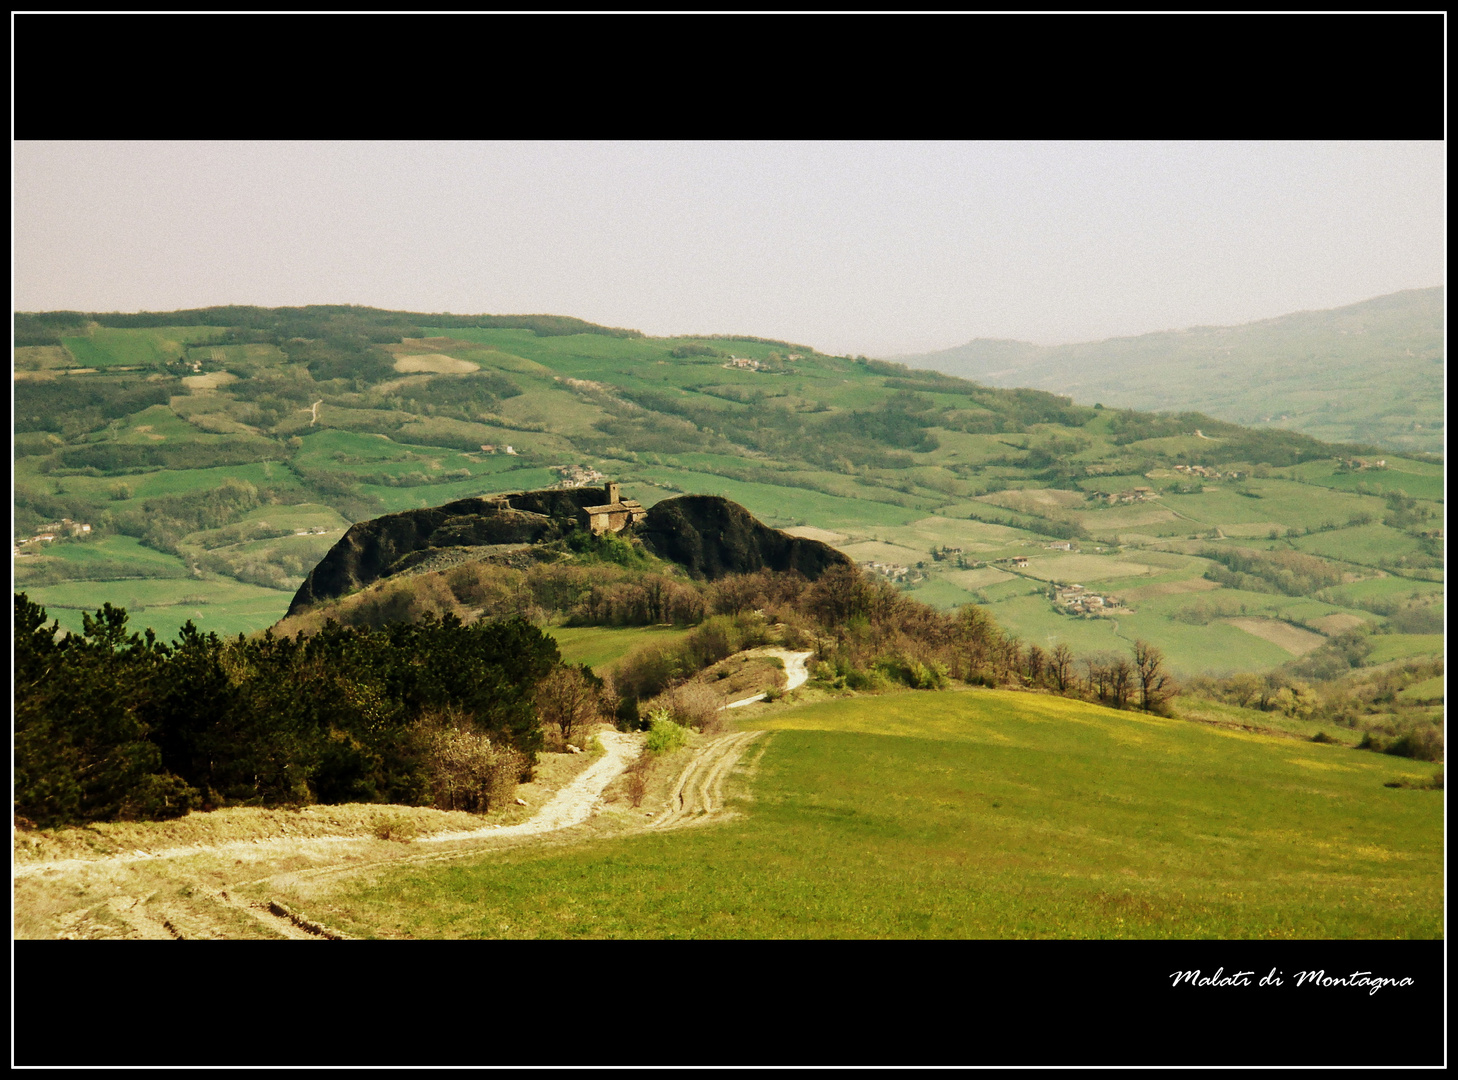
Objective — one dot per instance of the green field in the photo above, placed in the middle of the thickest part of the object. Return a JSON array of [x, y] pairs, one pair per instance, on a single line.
[[217, 605], [1427, 690], [976, 815], [108, 347], [1420, 479], [599, 647], [1367, 545], [110, 548], [395, 499], [1400, 646]]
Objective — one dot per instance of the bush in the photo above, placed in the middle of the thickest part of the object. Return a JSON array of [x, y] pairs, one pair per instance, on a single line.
[[395, 827], [464, 769], [693, 704], [664, 736], [1421, 744]]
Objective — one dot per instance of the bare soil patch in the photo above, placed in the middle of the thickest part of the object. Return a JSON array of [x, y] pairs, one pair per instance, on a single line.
[[1293, 639], [810, 532], [1337, 623], [438, 363], [211, 381], [1169, 588]]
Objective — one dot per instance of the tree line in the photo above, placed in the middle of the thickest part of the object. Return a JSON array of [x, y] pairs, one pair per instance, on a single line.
[[113, 724]]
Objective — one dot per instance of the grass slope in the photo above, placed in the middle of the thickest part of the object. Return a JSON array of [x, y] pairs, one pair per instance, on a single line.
[[977, 815]]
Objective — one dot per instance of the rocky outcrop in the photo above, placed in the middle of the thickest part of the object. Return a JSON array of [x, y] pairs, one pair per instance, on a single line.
[[710, 537], [707, 535], [376, 549]]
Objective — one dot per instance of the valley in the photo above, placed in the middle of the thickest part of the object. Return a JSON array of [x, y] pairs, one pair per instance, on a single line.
[[213, 499]]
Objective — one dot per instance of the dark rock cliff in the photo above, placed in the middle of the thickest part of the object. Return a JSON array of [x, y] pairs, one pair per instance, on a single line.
[[375, 549], [707, 535], [710, 537]]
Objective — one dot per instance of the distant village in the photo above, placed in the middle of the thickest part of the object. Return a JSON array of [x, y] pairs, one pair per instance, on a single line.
[[1133, 495], [901, 575], [744, 363], [578, 476], [1207, 472], [488, 448], [1076, 600], [51, 532], [1360, 465]]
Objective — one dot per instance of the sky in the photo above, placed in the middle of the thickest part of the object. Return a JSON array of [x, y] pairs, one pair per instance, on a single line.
[[862, 248]]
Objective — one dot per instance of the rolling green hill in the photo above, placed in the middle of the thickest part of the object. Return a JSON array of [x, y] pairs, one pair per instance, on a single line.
[[982, 814], [1366, 373], [218, 453]]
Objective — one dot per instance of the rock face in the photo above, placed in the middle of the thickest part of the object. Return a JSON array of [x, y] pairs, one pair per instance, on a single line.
[[710, 537], [371, 550], [707, 535]]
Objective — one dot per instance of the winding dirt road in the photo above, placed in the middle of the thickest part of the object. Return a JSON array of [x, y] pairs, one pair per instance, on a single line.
[[697, 797], [796, 673]]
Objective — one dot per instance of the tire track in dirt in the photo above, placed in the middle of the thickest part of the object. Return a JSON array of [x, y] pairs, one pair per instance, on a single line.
[[699, 794]]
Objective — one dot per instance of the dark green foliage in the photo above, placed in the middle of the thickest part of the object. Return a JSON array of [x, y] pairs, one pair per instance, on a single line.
[[45, 328], [74, 406], [112, 725], [163, 521], [683, 352], [1286, 572], [115, 458], [342, 358], [541, 325], [82, 746], [465, 395]]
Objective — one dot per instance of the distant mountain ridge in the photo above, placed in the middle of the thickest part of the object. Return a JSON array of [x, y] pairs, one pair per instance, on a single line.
[[1370, 372]]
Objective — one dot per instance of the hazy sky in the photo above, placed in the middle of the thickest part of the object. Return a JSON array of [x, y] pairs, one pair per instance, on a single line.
[[873, 248]]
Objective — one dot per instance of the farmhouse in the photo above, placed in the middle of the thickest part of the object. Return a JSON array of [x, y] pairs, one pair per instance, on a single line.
[[616, 514]]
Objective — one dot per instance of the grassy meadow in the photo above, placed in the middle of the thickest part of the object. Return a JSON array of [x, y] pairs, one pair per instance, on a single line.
[[975, 814]]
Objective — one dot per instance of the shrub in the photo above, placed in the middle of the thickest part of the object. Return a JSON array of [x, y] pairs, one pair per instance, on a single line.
[[636, 779], [464, 769], [693, 704], [395, 827], [1421, 744], [664, 736]]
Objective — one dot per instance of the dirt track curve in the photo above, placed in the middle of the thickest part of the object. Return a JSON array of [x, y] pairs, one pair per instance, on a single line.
[[796, 673]]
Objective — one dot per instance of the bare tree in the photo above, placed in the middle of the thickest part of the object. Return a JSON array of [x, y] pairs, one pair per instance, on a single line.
[[1035, 664], [1156, 686], [1122, 682], [1060, 667], [567, 700]]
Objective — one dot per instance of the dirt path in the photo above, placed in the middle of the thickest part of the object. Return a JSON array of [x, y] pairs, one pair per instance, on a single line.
[[796, 673], [572, 805], [232, 889]]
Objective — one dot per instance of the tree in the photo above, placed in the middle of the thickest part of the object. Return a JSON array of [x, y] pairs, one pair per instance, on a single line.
[[1060, 667], [1156, 686], [568, 699]]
